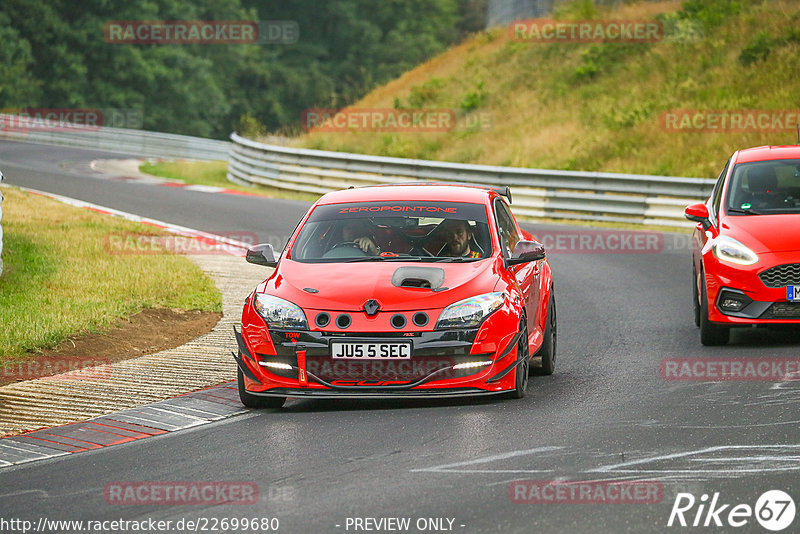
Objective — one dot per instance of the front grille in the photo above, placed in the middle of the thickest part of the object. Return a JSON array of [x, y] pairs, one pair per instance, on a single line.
[[781, 275], [431, 351], [423, 363], [782, 310]]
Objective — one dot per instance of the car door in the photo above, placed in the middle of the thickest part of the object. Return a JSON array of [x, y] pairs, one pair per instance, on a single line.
[[701, 236], [526, 274]]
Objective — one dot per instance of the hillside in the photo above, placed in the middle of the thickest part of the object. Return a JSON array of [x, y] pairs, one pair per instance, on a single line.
[[600, 106]]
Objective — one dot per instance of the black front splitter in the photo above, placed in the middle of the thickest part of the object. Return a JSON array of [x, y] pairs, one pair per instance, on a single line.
[[373, 394]]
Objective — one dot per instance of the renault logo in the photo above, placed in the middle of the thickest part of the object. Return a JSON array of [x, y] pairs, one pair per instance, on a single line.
[[371, 307]]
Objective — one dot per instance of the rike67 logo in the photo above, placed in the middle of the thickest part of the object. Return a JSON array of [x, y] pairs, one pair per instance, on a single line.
[[774, 510]]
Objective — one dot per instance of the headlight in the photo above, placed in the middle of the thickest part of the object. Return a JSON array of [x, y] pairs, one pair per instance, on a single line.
[[279, 313], [728, 249], [470, 312]]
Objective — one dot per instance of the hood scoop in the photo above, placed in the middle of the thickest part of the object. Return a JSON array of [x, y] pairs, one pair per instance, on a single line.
[[419, 277]]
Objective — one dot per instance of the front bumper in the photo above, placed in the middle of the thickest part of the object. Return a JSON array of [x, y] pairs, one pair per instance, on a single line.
[[761, 304], [300, 365]]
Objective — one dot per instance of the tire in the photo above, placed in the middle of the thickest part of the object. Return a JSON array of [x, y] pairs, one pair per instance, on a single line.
[[254, 401], [711, 335], [695, 296], [523, 362], [548, 349]]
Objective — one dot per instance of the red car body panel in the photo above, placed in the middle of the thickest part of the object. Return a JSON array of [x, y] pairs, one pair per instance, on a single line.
[[343, 288], [775, 238]]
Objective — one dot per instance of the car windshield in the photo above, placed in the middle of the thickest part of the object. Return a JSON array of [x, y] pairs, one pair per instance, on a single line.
[[394, 231], [765, 187]]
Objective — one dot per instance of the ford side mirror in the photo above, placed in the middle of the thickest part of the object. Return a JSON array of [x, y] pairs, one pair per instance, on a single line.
[[698, 213], [525, 252], [262, 254]]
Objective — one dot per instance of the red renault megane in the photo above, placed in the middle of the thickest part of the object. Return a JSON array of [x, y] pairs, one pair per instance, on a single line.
[[747, 244], [418, 290]]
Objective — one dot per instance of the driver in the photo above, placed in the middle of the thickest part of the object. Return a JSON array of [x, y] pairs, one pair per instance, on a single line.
[[357, 231], [458, 239]]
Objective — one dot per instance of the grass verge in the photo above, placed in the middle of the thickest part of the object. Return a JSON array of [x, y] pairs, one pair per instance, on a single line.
[[61, 280], [214, 173]]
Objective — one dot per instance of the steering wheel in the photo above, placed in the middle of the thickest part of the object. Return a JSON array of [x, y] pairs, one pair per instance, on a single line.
[[417, 245], [419, 251], [345, 249]]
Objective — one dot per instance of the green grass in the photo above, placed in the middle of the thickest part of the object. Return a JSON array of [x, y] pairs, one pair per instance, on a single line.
[[61, 280], [597, 107], [214, 173], [193, 172]]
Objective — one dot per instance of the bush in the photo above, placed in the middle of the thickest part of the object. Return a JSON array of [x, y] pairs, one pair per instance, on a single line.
[[426, 93], [251, 127], [575, 10], [679, 29], [710, 13], [474, 99], [605, 58], [757, 49]]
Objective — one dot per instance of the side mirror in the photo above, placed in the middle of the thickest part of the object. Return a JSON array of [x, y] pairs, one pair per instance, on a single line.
[[698, 213], [262, 254], [526, 251]]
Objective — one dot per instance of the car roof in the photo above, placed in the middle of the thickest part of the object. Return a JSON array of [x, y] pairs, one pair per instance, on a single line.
[[412, 191], [764, 153]]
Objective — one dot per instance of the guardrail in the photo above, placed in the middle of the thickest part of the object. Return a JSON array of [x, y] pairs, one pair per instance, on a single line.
[[573, 195], [123, 140]]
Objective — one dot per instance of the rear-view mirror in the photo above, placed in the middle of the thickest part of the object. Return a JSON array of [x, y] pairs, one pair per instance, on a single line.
[[262, 254], [526, 251]]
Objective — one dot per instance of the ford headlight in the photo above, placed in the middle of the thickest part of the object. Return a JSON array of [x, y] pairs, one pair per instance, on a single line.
[[728, 249], [469, 313], [279, 313]]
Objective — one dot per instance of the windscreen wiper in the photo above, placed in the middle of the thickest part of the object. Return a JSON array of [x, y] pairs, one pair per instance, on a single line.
[[383, 258], [456, 259], [746, 211]]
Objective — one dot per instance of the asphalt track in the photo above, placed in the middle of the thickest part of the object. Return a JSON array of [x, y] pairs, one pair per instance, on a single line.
[[606, 414]]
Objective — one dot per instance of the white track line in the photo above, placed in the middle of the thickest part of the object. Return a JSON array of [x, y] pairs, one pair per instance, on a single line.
[[173, 228], [513, 454]]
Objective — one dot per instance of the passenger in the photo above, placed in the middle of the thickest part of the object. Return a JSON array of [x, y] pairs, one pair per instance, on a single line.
[[459, 240]]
